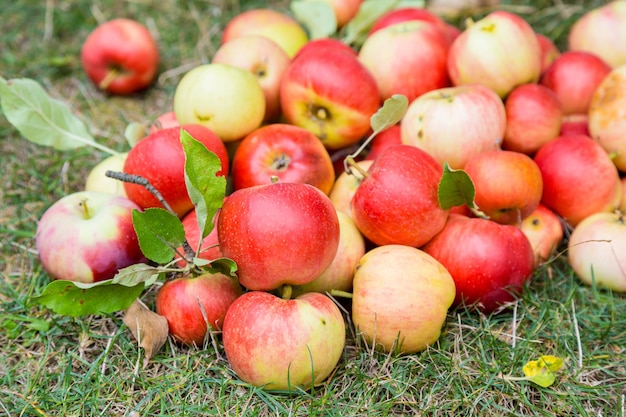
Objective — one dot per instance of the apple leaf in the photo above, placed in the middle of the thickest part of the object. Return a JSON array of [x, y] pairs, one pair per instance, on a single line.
[[134, 274], [542, 371], [455, 188], [204, 187], [317, 16], [224, 266], [159, 233], [42, 119], [390, 113], [148, 328]]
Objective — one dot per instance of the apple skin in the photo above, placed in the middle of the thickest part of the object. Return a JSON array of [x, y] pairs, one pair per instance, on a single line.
[[453, 124], [124, 45], [97, 179], [259, 225], [544, 230], [549, 51], [276, 344], [160, 158], [397, 202], [579, 178], [164, 121], [265, 59], [401, 309], [194, 306], [489, 262], [209, 249], [323, 43], [277, 26], [88, 236], [508, 185], [236, 106], [290, 153], [408, 58], [574, 76], [405, 14], [500, 51], [597, 250], [330, 93], [346, 185], [575, 124], [533, 118]]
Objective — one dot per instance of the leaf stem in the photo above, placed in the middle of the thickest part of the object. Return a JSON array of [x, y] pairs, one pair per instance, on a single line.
[[287, 292]]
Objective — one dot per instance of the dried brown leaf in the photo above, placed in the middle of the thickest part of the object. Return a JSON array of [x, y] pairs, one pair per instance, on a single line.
[[149, 328]]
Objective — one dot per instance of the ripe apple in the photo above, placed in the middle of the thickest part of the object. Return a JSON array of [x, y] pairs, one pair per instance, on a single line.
[[290, 153], [323, 43], [87, 236], [98, 181], [597, 250], [120, 56], [388, 137], [226, 99], [544, 230], [278, 234], [397, 201], [453, 124], [549, 51], [533, 117], [265, 59], [401, 308], [346, 185], [500, 51], [160, 158], [508, 185], [574, 76], [277, 26], [209, 248], [407, 58], [405, 14], [164, 121], [195, 306], [283, 344], [330, 93], [489, 262], [579, 178], [575, 124]]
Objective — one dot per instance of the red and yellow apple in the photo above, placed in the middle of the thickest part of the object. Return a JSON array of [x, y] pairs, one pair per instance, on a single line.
[[544, 230]]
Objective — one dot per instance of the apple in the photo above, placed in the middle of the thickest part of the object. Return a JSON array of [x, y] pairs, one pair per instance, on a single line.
[[265, 59], [579, 178], [575, 124], [289, 153], [533, 117], [346, 185], [278, 234], [500, 51], [508, 185], [323, 43], [164, 121], [601, 31], [280, 27], [160, 159], [195, 306], [120, 56], [226, 99], [549, 51], [405, 14], [544, 230], [622, 205], [401, 309], [455, 123], [97, 179], [407, 58], [343, 10], [330, 93], [489, 262], [397, 203], [597, 250], [209, 248], [388, 137], [87, 236]]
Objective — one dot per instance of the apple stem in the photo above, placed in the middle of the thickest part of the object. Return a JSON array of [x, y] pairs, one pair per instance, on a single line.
[[287, 291], [340, 293], [274, 179], [478, 212], [350, 163], [85, 207], [108, 79]]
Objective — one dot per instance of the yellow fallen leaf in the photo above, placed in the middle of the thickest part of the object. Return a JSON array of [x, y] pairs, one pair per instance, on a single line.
[[542, 371]]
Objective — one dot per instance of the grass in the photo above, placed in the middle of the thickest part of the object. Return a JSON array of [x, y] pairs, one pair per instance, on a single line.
[[59, 366]]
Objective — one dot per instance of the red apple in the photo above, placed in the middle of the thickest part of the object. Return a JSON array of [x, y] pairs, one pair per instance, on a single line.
[[533, 117], [579, 178], [87, 236], [407, 58], [278, 234], [120, 56], [574, 76], [549, 51], [453, 124], [160, 158], [330, 93], [209, 248], [346, 185], [489, 262], [544, 230], [575, 124], [383, 140], [405, 14], [290, 153], [280, 344], [323, 43], [195, 306], [164, 121], [397, 201]]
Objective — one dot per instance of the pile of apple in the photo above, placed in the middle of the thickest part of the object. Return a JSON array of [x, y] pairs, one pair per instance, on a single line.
[[541, 134]]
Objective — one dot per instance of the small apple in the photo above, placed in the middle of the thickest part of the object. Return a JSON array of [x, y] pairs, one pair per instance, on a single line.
[[388, 137], [88, 236], [120, 56], [164, 121], [346, 185], [343, 10], [209, 248], [549, 51], [323, 43], [405, 14], [195, 306], [544, 230], [97, 179]]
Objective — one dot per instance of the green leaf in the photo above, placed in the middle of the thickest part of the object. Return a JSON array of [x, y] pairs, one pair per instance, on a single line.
[[542, 371], [455, 188], [390, 113], [68, 299], [42, 119], [204, 187], [159, 233], [317, 16], [134, 274], [355, 31], [225, 266]]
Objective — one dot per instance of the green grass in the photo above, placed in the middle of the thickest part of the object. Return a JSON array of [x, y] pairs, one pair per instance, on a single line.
[[58, 366]]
